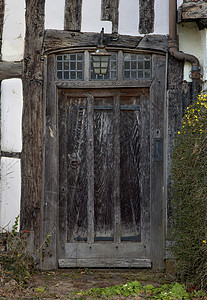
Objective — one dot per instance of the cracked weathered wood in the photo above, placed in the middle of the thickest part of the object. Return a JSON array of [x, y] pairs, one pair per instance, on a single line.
[[73, 14], [31, 166], [146, 16], [10, 70], [194, 10], [56, 39], [110, 12]]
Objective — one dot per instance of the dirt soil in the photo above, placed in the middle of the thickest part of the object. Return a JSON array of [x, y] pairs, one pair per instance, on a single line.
[[61, 283]]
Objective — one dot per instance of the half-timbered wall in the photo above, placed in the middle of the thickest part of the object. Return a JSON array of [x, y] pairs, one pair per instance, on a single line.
[[28, 30]]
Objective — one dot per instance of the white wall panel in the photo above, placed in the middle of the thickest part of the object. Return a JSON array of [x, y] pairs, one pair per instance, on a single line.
[[190, 41], [179, 2], [11, 115], [10, 191], [13, 30], [54, 14], [161, 17], [129, 17], [91, 17]]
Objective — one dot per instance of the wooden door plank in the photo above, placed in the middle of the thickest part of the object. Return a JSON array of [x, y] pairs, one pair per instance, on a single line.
[[105, 250], [105, 263], [90, 167], [116, 193]]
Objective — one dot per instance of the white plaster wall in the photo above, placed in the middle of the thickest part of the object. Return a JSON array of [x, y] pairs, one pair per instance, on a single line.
[[204, 45], [179, 2], [91, 17], [190, 41], [13, 30], [11, 115], [161, 17], [10, 191], [128, 17], [54, 14]]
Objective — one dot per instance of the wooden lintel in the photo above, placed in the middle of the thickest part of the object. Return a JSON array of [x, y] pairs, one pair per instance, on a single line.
[[56, 39], [193, 11], [10, 70]]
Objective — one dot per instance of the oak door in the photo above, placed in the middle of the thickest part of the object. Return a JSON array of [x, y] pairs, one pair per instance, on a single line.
[[104, 178]]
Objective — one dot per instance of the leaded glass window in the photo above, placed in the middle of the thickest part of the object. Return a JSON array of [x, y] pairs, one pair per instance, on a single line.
[[137, 66], [70, 66]]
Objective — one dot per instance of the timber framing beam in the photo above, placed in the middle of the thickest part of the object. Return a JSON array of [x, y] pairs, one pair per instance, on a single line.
[[58, 40], [10, 70], [192, 11]]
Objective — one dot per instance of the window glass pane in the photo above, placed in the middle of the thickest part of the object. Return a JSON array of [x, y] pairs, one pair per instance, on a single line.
[[135, 66], [127, 65], [147, 64], [59, 75], [66, 66], [127, 75], [140, 74], [59, 66], [72, 57], [69, 66], [66, 75], [72, 75], [133, 74]]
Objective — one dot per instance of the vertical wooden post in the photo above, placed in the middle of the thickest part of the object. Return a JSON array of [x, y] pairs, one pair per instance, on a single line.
[[73, 14], [90, 167], [146, 16], [157, 167], [110, 12], [116, 194], [32, 120]]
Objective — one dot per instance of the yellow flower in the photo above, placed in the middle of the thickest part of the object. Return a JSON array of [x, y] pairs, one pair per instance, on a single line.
[[204, 241], [178, 132]]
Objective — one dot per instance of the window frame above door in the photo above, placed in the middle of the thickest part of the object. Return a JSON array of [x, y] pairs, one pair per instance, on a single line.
[[87, 82]]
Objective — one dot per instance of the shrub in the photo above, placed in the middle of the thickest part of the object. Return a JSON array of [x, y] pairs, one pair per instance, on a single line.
[[189, 195], [15, 260]]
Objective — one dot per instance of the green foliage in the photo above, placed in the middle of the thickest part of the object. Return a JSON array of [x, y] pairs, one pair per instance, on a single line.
[[136, 289], [189, 195], [16, 262]]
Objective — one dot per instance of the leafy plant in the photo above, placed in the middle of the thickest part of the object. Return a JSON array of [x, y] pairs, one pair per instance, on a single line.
[[189, 195], [15, 260], [174, 291]]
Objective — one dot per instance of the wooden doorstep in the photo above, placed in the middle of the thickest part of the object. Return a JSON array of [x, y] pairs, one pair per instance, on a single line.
[[105, 263]]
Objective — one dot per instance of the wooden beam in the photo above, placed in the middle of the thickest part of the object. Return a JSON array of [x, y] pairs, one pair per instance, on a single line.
[[146, 16], [56, 39], [73, 9], [31, 164], [10, 70], [194, 10], [110, 12]]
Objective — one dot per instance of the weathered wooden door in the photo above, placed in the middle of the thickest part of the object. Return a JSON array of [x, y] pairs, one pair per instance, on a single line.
[[104, 178]]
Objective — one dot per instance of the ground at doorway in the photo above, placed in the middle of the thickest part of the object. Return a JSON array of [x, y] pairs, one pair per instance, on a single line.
[[61, 283]]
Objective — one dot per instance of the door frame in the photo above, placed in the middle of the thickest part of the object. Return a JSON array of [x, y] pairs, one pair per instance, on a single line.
[[50, 178]]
